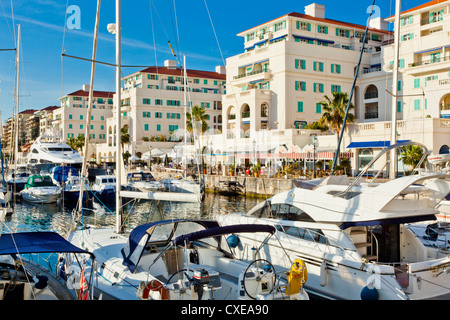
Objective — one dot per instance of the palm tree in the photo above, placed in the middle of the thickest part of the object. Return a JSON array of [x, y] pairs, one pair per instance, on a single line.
[[197, 115], [334, 114], [411, 155], [76, 143], [124, 136]]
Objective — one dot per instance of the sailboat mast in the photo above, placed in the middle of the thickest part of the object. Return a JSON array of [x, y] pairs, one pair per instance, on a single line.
[[16, 107], [89, 109], [185, 116], [393, 156], [118, 126]]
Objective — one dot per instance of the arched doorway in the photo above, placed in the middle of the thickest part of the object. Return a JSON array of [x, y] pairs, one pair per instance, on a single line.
[[444, 107]]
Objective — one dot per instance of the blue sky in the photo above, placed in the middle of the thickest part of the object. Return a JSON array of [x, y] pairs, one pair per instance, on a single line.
[[147, 25]]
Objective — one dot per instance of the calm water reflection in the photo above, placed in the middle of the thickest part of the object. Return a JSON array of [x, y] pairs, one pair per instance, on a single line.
[[57, 217]]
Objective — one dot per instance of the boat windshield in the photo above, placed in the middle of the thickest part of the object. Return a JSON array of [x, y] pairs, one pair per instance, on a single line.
[[38, 181]]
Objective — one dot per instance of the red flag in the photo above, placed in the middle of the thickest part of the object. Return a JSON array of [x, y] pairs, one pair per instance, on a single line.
[[83, 293]]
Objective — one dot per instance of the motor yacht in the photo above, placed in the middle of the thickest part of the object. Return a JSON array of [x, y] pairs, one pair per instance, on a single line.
[[51, 149], [41, 189], [104, 187], [143, 181], [354, 237]]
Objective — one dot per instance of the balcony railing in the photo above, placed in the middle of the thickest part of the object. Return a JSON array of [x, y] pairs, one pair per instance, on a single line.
[[429, 20], [431, 61], [249, 74], [371, 115], [370, 95]]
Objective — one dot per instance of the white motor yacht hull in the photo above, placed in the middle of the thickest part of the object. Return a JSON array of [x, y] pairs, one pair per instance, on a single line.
[[44, 195]]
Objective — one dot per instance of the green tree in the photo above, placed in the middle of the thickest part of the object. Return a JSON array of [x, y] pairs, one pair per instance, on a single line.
[[124, 136], [76, 143], [334, 112], [411, 155], [198, 115]]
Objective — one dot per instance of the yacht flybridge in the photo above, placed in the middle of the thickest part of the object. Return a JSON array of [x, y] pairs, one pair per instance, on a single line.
[[353, 238], [49, 148]]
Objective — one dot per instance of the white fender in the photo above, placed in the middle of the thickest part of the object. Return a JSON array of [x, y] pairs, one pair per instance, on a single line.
[[323, 274]]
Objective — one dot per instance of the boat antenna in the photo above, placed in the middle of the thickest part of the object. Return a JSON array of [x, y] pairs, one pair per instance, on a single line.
[[338, 148]]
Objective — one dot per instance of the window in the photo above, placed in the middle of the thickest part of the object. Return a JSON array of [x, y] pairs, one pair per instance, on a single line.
[[417, 104], [70, 126], [318, 66], [318, 108], [407, 37], [406, 20], [342, 33], [435, 57], [146, 114], [335, 68], [81, 117], [102, 127], [146, 127], [300, 64], [318, 87], [158, 114], [158, 102], [205, 81], [300, 106], [81, 126], [300, 85], [158, 127], [322, 29], [417, 83], [314, 235], [399, 106], [303, 26], [279, 26], [364, 158], [335, 88], [70, 116], [146, 101]]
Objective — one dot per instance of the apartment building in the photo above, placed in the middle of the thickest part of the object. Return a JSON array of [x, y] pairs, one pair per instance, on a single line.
[[8, 132], [46, 119], [290, 63], [152, 106], [70, 120]]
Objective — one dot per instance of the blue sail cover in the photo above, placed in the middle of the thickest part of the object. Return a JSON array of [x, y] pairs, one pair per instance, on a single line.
[[219, 231], [131, 259], [61, 173], [36, 242]]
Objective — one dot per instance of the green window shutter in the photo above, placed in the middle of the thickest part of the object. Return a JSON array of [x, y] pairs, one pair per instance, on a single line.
[[338, 68], [326, 30], [347, 33], [303, 64], [309, 26], [284, 24], [337, 31], [411, 19], [300, 106], [417, 104], [70, 126], [296, 85], [399, 106], [296, 63], [399, 85], [318, 108], [298, 24], [417, 83], [158, 127], [315, 66], [146, 127], [402, 63], [315, 87], [303, 86], [321, 66], [318, 28]]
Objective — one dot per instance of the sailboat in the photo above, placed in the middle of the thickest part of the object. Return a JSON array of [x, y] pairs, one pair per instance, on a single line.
[[359, 229], [140, 264]]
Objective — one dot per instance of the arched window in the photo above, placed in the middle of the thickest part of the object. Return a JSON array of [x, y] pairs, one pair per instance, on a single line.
[[444, 149], [365, 156], [264, 110], [245, 111], [371, 92]]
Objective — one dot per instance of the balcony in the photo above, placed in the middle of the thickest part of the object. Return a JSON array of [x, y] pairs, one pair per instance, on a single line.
[[371, 115], [429, 20], [430, 61]]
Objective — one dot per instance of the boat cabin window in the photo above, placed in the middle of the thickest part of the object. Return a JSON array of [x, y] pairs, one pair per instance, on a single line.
[[282, 211], [314, 235], [34, 151]]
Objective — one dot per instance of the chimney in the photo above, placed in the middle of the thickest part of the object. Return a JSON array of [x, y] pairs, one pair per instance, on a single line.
[[379, 23], [170, 64], [315, 10], [86, 87], [221, 70]]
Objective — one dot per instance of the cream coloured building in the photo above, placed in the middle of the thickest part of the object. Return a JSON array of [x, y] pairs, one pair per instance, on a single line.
[[152, 106], [70, 119], [290, 63]]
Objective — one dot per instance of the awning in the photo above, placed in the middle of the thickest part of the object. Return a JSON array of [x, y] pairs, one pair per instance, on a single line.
[[371, 144], [303, 38], [219, 231], [278, 38], [428, 50], [295, 155], [36, 242]]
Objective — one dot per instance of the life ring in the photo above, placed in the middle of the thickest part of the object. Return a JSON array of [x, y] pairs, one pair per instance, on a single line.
[[153, 285]]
